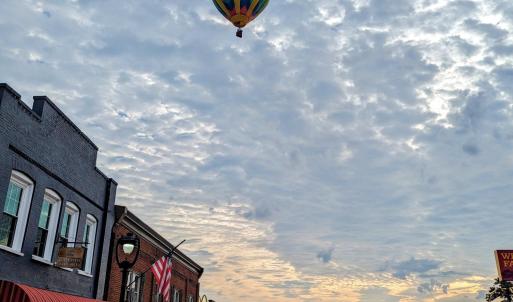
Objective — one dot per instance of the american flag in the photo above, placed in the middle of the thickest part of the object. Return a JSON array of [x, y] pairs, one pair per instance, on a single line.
[[162, 272]]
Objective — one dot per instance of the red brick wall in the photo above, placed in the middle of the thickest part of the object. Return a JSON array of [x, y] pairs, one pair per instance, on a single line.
[[182, 278]]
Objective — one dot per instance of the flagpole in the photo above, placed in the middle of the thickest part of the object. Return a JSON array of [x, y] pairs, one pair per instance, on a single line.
[[169, 255]]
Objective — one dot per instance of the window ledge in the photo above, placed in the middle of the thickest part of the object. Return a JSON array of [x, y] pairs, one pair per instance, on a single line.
[[84, 274], [65, 268], [11, 250], [42, 260]]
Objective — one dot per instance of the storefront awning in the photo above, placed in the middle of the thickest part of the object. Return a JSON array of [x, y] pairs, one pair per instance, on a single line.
[[13, 292]]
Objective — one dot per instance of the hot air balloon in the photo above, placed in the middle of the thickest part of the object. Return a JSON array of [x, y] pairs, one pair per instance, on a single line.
[[240, 12]]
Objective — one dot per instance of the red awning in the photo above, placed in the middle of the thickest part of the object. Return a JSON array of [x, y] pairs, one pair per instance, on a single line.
[[12, 292]]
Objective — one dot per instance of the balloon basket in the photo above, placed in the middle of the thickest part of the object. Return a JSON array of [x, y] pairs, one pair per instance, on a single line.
[[239, 33]]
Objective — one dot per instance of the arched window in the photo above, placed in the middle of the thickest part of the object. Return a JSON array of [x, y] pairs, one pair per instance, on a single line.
[[89, 243], [177, 296], [47, 226], [13, 219], [69, 225]]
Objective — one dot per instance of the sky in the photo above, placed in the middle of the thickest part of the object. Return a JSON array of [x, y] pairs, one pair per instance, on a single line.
[[343, 150]]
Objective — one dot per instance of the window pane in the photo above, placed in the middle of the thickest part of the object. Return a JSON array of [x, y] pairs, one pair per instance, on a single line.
[[134, 289], [86, 246], [65, 225], [86, 234], [7, 228], [39, 248], [44, 218], [12, 201]]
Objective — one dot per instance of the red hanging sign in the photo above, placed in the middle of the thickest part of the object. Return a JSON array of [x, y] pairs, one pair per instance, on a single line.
[[504, 260]]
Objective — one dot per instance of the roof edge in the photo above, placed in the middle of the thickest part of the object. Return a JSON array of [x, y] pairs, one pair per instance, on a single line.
[[124, 213], [44, 98], [11, 90]]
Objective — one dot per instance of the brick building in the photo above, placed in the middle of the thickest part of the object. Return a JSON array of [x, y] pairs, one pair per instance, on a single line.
[[51, 195], [186, 273]]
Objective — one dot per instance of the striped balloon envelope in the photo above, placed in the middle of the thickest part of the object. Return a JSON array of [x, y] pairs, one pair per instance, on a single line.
[[240, 12]]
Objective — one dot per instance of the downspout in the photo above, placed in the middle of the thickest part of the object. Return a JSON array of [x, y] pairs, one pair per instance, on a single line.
[[197, 291], [198, 284], [109, 266], [104, 227], [111, 254]]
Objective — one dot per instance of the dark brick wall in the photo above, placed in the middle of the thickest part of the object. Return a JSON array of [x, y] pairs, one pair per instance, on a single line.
[[182, 277], [46, 146]]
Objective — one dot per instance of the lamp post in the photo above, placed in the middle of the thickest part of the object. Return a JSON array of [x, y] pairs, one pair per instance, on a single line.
[[127, 252]]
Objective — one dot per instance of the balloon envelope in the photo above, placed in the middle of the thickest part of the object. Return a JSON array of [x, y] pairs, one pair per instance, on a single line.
[[240, 12]]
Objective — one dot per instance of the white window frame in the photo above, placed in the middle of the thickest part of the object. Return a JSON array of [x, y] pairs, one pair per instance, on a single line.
[[177, 295], [73, 210], [53, 198], [92, 223], [134, 291], [190, 299], [27, 186]]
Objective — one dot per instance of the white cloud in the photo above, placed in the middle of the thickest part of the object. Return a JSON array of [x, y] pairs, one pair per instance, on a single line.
[[357, 132]]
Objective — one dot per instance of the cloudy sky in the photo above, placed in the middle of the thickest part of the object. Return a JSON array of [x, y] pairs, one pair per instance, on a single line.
[[347, 150]]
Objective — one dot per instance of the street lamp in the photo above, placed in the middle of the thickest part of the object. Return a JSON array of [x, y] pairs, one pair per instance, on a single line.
[[127, 249]]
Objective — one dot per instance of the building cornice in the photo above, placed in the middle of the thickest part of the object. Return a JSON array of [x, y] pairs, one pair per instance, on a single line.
[[132, 222]]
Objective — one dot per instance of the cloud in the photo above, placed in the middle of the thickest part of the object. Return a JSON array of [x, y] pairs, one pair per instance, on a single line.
[[401, 67], [378, 294], [470, 149], [404, 269], [258, 213], [489, 30], [381, 128], [432, 287], [325, 255], [481, 295]]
